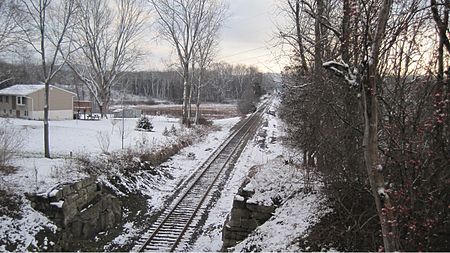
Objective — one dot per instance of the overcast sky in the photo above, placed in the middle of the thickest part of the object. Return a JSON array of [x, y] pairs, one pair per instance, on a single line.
[[245, 37]]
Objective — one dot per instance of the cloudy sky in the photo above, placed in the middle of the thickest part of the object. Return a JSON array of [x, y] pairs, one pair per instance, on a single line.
[[245, 39]]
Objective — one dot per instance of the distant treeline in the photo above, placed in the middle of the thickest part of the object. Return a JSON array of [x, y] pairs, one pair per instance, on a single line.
[[223, 82]]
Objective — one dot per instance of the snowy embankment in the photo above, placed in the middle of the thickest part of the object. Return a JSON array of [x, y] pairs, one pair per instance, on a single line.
[[78, 138], [273, 180]]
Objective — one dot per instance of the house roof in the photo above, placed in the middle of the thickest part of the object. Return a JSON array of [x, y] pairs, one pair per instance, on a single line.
[[25, 89]]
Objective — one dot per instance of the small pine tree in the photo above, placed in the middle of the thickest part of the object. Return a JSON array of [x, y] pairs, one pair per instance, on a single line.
[[173, 130], [144, 124], [165, 132]]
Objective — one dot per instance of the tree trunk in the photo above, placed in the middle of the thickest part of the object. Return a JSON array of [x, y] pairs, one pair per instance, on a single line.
[[318, 42], [186, 91], [373, 167], [345, 40], [191, 81], [370, 139], [103, 105], [46, 131], [197, 105], [349, 100], [190, 104], [441, 94], [299, 34]]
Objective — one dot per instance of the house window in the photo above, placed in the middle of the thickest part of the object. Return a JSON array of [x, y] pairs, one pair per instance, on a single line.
[[21, 100], [7, 99], [10, 111], [1, 99], [4, 111], [26, 113]]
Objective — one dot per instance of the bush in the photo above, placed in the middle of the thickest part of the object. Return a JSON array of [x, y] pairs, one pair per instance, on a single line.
[[10, 203], [173, 130], [166, 132], [205, 122], [144, 124], [104, 141], [246, 106], [11, 141]]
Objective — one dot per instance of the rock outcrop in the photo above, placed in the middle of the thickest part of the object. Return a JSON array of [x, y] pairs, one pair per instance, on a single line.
[[80, 210], [245, 217]]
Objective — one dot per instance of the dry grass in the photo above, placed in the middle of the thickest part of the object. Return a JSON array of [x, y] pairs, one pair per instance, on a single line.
[[143, 158], [209, 111]]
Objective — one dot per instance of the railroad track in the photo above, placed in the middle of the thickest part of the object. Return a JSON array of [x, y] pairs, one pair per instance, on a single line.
[[174, 229]]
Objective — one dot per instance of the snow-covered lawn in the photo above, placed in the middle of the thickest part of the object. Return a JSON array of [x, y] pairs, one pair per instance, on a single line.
[[83, 136], [37, 174], [76, 137]]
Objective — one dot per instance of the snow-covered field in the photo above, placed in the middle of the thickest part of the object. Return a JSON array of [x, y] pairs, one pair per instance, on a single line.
[[76, 138], [83, 136], [37, 174]]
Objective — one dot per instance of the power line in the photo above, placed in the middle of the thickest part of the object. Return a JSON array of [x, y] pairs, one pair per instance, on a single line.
[[254, 57], [269, 68], [241, 52]]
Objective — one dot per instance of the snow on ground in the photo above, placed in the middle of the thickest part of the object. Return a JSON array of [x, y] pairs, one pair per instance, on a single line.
[[274, 180], [36, 174], [180, 166], [289, 221], [83, 136], [22, 231], [277, 181]]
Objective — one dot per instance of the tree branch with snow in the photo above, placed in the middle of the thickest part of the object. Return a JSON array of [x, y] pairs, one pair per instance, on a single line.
[[342, 69]]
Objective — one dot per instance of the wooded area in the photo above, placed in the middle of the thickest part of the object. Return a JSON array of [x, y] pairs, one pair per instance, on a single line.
[[366, 97]]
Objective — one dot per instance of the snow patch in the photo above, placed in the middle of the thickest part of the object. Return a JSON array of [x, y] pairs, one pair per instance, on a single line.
[[290, 221], [58, 204]]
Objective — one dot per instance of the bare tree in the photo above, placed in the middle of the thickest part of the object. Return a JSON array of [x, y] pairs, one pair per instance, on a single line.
[[206, 46], [8, 28], [9, 33], [181, 23], [45, 26], [440, 13], [11, 141], [369, 103], [107, 40], [294, 32]]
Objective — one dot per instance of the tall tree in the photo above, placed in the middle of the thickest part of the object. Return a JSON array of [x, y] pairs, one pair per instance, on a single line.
[[206, 46], [441, 19], [370, 139], [106, 36], [369, 103], [294, 33], [180, 23], [9, 29], [45, 27]]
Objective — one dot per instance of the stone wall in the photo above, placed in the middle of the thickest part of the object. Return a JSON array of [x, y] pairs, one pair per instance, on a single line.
[[80, 210], [244, 217]]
